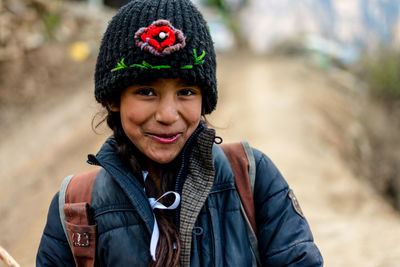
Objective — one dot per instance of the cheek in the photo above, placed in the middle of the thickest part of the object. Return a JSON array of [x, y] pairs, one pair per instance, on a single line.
[[132, 115], [194, 111]]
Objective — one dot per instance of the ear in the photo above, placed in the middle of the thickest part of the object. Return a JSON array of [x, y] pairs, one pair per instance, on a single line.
[[203, 111], [113, 107]]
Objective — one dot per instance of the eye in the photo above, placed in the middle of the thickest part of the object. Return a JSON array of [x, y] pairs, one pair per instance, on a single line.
[[145, 92], [187, 92]]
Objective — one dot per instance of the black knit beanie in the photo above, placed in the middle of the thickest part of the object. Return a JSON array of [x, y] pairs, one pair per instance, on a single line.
[[150, 39]]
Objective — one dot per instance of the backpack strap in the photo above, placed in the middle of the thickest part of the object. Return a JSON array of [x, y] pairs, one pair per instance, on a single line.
[[76, 216], [240, 165], [241, 159]]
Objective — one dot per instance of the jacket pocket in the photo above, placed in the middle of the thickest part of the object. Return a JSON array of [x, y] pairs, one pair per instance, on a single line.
[[115, 216], [123, 239]]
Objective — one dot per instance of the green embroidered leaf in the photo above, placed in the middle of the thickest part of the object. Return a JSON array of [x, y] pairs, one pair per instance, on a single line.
[[123, 63], [161, 67], [201, 56], [117, 68], [137, 65], [198, 59], [120, 65], [147, 65]]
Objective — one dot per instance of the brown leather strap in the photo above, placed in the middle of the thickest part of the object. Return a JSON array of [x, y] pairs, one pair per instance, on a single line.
[[240, 167], [81, 187], [79, 220]]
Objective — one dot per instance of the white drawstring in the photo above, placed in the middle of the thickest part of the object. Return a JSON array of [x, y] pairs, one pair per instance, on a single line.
[[145, 173], [155, 204]]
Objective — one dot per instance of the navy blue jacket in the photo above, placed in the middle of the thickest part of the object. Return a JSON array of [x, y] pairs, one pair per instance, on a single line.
[[219, 236]]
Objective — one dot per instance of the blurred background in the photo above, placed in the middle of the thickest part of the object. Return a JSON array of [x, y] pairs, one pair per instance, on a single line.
[[315, 84]]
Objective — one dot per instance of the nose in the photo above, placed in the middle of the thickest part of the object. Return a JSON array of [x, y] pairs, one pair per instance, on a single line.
[[167, 111]]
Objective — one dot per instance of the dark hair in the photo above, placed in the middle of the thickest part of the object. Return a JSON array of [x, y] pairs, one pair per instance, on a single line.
[[134, 160]]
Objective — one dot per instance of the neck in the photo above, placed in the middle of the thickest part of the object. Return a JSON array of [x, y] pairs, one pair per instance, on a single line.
[[154, 170], [162, 176]]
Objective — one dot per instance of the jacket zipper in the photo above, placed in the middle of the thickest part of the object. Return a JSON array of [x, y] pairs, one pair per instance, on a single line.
[[183, 165], [211, 227]]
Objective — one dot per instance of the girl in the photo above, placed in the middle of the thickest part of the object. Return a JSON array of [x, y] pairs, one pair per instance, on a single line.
[[165, 194]]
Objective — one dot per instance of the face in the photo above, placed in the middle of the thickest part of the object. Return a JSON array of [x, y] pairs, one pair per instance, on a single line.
[[160, 116]]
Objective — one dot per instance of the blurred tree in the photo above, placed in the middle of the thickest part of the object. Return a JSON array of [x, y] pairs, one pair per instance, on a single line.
[[115, 3], [380, 119], [382, 74], [229, 10]]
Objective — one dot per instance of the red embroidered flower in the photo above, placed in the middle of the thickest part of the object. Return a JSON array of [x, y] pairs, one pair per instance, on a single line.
[[160, 38]]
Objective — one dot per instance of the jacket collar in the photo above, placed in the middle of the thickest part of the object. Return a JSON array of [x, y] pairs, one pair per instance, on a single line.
[[108, 159], [196, 188], [197, 174]]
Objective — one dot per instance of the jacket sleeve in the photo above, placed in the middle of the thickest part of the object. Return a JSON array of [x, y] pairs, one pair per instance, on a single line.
[[284, 236], [54, 249]]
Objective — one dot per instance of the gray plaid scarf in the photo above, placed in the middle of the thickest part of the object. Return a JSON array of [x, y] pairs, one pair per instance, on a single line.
[[197, 186]]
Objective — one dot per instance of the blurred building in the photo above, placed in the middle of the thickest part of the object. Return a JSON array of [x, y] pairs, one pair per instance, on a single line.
[[341, 27]]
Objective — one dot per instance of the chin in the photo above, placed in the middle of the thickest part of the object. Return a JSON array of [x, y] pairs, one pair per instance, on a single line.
[[164, 159]]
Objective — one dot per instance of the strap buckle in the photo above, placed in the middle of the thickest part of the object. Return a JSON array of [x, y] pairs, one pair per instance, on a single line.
[[80, 239]]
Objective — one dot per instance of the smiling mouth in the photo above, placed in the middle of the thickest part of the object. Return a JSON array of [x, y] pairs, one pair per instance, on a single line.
[[165, 138]]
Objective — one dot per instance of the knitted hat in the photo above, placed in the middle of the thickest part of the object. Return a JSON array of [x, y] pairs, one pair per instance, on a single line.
[[150, 39]]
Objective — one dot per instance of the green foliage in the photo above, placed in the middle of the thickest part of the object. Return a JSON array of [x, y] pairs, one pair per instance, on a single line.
[[219, 4], [382, 74], [51, 21], [376, 148], [225, 6], [230, 16]]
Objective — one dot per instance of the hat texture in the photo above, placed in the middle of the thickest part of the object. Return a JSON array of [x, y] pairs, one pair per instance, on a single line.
[[150, 39]]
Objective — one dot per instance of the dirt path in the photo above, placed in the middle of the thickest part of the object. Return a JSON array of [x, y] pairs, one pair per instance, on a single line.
[[279, 105], [285, 113]]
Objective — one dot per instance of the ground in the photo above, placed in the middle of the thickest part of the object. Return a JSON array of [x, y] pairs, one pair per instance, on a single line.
[[282, 106]]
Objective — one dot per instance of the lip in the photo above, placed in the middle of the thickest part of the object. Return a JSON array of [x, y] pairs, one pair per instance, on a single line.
[[165, 138]]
